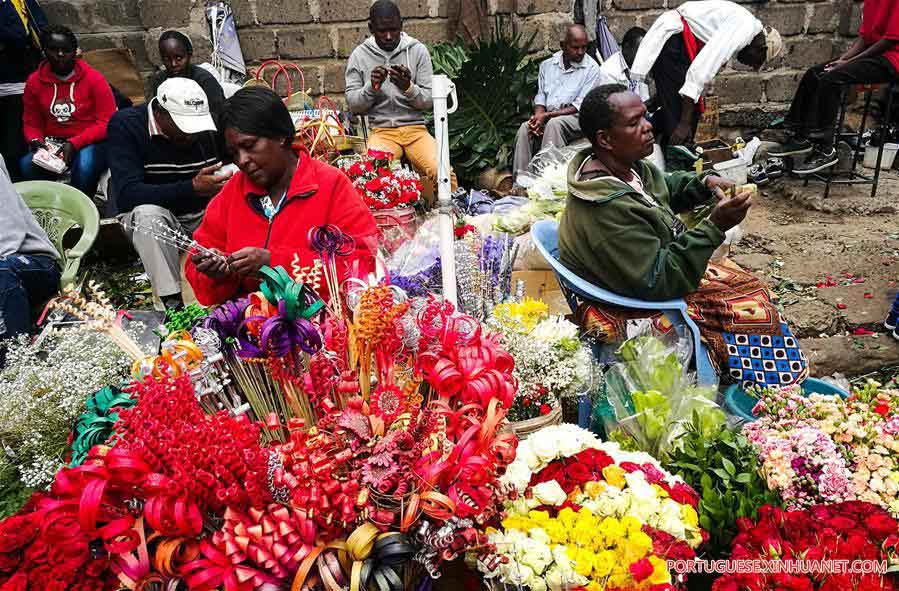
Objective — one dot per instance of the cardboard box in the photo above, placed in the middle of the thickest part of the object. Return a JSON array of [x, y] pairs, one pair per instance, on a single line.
[[543, 285]]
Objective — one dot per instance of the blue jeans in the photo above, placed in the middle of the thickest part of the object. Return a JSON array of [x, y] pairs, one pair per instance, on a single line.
[[87, 166], [25, 281]]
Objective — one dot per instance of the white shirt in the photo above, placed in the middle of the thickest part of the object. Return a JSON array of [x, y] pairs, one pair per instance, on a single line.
[[558, 87], [615, 71], [724, 27]]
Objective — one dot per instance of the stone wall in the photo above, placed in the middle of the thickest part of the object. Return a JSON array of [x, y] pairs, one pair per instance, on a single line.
[[319, 35]]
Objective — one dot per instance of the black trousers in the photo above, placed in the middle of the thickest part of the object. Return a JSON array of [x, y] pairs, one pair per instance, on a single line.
[[813, 112], [669, 73], [12, 142]]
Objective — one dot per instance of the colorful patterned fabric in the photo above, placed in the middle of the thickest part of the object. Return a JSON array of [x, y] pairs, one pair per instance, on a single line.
[[748, 339]]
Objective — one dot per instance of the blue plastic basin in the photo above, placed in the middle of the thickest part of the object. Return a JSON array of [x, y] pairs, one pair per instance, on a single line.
[[740, 404]]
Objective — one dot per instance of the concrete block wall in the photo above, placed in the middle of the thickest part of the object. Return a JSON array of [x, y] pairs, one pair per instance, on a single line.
[[318, 35]]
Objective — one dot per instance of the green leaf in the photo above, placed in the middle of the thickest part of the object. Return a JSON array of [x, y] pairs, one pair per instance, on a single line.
[[729, 466], [743, 477], [724, 476]]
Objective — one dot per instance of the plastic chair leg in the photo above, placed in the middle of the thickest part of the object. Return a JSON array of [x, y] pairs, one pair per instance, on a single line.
[[705, 371]]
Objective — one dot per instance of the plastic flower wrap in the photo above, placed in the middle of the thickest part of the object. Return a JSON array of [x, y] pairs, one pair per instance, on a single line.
[[380, 185], [484, 265], [550, 359], [584, 513], [651, 397], [825, 449], [546, 183]]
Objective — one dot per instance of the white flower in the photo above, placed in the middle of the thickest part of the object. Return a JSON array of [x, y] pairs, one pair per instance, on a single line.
[[561, 576], [518, 473], [669, 520], [549, 493], [536, 555], [545, 448], [540, 535], [554, 329]]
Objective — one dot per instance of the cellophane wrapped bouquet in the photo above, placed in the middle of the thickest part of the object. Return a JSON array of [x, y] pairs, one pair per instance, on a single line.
[[583, 513], [381, 185], [650, 398], [550, 359], [379, 462], [546, 184]]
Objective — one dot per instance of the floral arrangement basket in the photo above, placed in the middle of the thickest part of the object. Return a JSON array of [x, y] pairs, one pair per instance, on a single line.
[[524, 428]]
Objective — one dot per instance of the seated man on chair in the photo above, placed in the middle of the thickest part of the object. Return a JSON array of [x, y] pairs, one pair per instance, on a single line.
[[388, 78], [165, 168], [684, 49], [29, 263], [564, 81], [874, 57], [620, 231]]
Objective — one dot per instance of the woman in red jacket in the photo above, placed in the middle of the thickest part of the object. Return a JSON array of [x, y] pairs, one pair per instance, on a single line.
[[263, 214], [69, 103]]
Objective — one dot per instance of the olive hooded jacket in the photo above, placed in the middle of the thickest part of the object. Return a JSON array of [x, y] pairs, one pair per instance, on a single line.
[[613, 236]]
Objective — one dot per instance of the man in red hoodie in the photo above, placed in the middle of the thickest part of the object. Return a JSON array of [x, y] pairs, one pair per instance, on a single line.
[[68, 102]]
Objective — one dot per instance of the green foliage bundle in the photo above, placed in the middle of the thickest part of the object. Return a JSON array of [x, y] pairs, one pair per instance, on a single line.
[[722, 466]]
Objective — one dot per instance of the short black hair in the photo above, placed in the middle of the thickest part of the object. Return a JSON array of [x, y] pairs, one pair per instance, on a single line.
[[633, 35], [180, 38], [596, 112], [257, 111], [382, 9], [66, 32]]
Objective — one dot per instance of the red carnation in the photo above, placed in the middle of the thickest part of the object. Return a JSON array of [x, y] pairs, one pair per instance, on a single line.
[[881, 525], [577, 473], [641, 570], [684, 494], [374, 185], [882, 409], [545, 409]]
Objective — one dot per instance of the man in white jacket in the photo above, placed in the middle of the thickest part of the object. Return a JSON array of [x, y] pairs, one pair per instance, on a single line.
[[685, 48]]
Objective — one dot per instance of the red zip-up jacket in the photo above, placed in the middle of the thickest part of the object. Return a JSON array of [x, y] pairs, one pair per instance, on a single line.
[[319, 194], [76, 109]]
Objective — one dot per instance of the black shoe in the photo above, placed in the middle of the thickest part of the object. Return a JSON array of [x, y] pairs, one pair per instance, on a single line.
[[774, 168], [173, 303], [793, 147], [820, 161], [758, 175]]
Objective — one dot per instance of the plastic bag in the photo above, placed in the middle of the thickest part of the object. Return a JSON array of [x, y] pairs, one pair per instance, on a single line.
[[650, 397], [547, 174], [419, 253]]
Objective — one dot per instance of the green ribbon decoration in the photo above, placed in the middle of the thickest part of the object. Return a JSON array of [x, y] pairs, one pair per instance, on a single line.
[[186, 318], [95, 425], [277, 286]]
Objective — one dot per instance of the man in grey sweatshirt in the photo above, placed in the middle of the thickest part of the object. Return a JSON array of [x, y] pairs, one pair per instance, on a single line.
[[29, 264], [388, 78]]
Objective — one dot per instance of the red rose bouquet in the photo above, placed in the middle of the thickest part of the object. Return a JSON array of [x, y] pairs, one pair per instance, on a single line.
[[381, 186], [848, 531]]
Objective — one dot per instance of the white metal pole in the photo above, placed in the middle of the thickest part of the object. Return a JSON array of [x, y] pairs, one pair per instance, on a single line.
[[442, 88]]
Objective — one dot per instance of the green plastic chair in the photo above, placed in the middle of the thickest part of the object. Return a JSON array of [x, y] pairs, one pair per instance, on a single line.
[[58, 208]]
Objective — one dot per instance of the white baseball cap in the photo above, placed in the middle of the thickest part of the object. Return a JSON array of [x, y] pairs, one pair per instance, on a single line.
[[186, 102]]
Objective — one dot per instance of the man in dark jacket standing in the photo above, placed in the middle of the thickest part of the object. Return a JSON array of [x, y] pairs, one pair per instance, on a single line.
[[21, 22], [165, 169]]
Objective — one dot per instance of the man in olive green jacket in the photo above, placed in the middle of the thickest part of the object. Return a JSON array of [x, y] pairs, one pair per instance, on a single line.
[[619, 229]]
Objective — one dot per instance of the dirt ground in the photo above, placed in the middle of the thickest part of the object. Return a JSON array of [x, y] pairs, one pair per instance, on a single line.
[[834, 264]]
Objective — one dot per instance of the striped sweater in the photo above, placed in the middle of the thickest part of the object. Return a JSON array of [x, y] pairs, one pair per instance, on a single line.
[[152, 169]]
